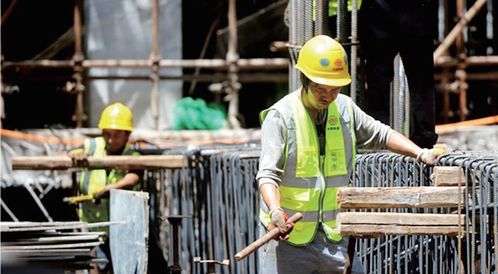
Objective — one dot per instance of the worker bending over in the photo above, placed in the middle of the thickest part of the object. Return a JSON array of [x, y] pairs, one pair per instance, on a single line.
[[116, 123], [309, 140]]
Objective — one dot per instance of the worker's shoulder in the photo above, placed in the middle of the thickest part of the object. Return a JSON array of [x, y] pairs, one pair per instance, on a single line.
[[343, 99]]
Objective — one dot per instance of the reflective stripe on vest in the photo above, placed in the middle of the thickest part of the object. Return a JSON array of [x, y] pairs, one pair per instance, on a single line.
[[313, 193], [94, 147]]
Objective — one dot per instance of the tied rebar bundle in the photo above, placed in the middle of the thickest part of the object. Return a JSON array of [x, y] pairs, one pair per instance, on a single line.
[[218, 194]]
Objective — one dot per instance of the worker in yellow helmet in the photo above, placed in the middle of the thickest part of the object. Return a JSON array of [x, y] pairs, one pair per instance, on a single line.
[[116, 123], [309, 140]]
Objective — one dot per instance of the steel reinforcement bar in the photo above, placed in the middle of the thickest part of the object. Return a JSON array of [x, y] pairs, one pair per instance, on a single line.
[[217, 195]]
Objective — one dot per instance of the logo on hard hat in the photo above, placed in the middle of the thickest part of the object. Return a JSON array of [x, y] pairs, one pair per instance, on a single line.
[[338, 65], [324, 62]]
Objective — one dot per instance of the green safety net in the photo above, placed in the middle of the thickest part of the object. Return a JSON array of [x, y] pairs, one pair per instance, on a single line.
[[190, 113]]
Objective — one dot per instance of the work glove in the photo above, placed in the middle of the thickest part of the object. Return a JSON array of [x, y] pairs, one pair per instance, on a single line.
[[278, 218], [427, 156], [79, 159], [104, 193]]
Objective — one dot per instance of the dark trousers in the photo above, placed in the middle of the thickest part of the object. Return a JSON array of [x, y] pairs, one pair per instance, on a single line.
[[387, 28]]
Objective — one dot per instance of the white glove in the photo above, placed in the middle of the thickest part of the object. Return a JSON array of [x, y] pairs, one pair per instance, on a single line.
[[278, 218], [427, 156]]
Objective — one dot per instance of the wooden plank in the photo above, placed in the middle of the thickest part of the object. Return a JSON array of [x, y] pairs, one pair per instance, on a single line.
[[399, 197], [118, 162], [378, 230], [405, 219], [448, 176]]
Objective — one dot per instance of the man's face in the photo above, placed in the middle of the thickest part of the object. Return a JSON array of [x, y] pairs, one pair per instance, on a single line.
[[115, 140], [321, 96]]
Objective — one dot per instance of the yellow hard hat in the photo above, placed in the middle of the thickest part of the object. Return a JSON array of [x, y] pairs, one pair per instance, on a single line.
[[116, 116], [324, 61]]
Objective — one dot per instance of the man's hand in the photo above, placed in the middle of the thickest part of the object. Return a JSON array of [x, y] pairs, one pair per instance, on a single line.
[[79, 159], [104, 193], [427, 156], [278, 218]]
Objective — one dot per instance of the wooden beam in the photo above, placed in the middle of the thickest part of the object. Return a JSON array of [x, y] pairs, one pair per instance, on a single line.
[[378, 230], [374, 224], [448, 176], [402, 219], [118, 162], [399, 197]]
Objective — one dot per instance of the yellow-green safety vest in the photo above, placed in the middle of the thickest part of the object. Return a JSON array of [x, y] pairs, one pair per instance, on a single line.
[[310, 181], [92, 181]]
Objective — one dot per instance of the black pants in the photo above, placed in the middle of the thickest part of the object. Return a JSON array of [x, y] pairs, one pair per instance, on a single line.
[[387, 28]]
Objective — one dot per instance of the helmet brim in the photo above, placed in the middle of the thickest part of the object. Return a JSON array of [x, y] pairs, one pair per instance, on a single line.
[[116, 127], [335, 82]]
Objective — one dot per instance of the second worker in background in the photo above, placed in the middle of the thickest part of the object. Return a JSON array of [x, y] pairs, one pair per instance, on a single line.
[[116, 123]]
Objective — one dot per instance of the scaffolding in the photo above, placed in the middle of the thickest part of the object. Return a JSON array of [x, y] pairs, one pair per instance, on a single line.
[[452, 64], [237, 69]]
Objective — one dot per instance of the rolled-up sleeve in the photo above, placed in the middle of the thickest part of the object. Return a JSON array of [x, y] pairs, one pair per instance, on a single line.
[[273, 136], [370, 133]]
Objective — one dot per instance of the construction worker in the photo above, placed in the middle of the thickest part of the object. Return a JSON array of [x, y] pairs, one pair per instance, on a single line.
[[309, 140], [389, 27], [116, 123]]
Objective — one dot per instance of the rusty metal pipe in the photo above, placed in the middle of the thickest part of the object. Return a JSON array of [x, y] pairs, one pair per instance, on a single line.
[[447, 61], [242, 64], [155, 57], [78, 57], [465, 19]]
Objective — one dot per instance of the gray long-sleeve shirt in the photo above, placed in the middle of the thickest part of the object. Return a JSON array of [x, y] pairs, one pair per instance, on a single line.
[[370, 133]]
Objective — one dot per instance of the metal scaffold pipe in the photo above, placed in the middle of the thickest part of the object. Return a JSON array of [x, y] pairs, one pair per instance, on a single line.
[[354, 50], [464, 20], [232, 57], [155, 58], [78, 57], [242, 64]]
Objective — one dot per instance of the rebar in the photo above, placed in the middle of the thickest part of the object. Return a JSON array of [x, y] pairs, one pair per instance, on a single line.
[[434, 254]]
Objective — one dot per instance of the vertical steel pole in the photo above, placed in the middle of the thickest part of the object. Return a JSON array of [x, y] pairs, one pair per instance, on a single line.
[[354, 50], [321, 16], [78, 58], [175, 222], [155, 58], [232, 58]]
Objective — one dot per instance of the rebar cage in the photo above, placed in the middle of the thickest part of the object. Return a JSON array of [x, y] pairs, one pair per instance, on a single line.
[[219, 192]]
